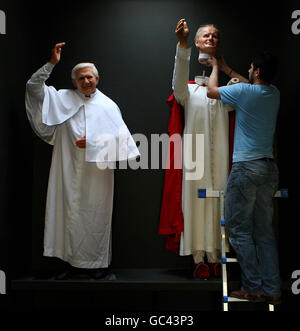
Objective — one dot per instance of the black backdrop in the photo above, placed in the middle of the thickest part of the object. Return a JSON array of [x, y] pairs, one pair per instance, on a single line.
[[133, 45]]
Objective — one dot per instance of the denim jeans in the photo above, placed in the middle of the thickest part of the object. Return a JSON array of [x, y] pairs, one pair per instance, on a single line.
[[249, 215]]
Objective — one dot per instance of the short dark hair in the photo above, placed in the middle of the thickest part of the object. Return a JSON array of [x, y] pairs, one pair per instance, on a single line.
[[267, 63]]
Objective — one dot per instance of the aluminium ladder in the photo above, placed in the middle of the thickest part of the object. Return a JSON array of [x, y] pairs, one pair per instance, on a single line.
[[204, 193]]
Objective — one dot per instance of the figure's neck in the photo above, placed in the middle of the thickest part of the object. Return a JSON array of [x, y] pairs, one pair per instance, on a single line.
[[87, 96], [209, 52]]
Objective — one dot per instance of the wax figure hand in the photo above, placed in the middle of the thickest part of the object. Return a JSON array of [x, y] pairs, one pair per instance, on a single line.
[[81, 142], [56, 53], [182, 32]]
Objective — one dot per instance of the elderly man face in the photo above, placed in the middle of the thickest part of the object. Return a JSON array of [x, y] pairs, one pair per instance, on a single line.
[[207, 39], [85, 81]]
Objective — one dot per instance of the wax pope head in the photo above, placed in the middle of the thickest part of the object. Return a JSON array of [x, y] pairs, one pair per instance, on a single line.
[[85, 78], [207, 39]]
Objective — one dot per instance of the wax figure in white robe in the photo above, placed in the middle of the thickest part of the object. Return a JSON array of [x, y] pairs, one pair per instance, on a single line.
[[201, 235], [80, 194]]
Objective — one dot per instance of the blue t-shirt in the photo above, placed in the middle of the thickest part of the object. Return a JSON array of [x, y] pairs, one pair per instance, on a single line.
[[256, 109]]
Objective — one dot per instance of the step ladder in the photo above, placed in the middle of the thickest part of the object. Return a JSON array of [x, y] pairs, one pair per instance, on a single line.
[[204, 193]]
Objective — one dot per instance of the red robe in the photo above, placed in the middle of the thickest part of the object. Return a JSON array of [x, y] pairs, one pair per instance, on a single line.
[[171, 222]]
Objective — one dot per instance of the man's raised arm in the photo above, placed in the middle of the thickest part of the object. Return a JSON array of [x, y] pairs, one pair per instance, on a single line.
[[213, 82], [223, 66]]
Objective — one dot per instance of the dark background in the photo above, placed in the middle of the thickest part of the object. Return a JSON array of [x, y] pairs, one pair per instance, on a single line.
[[133, 45]]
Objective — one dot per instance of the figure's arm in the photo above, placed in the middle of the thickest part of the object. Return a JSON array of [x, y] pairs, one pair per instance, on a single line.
[[182, 63], [34, 97], [35, 85], [223, 66]]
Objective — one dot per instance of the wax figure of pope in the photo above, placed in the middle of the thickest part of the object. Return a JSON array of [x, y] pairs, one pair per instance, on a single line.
[[88, 136], [201, 235]]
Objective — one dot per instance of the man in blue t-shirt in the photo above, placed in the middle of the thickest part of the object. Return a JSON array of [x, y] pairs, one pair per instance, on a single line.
[[253, 179]]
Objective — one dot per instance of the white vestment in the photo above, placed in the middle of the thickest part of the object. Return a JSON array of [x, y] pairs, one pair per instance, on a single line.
[[80, 195], [208, 117]]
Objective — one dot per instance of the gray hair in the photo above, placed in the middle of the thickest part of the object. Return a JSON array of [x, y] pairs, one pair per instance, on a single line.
[[201, 27], [84, 65]]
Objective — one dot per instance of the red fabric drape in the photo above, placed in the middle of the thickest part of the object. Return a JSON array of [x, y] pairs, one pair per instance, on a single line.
[[171, 216], [171, 222]]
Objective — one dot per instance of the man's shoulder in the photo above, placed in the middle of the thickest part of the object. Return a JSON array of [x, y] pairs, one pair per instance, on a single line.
[[233, 87]]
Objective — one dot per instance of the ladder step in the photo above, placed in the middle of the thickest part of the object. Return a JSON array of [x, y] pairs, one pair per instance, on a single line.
[[204, 193], [229, 259], [283, 193], [232, 299]]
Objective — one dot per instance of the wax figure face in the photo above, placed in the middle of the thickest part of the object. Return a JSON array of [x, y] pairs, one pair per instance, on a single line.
[[85, 81], [208, 40]]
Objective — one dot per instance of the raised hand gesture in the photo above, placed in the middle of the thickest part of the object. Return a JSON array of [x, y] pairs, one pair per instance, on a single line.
[[56, 52], [182, 32]]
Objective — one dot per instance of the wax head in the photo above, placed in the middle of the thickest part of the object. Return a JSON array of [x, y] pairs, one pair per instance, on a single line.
[[85, 80], [207, 39]]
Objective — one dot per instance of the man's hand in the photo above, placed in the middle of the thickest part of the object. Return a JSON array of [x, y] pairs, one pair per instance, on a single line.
[[212, 62], [182, 32], [56, 52], [81, 142]]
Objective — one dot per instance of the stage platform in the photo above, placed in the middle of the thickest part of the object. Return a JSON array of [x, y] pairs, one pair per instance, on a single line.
[[131, 290]]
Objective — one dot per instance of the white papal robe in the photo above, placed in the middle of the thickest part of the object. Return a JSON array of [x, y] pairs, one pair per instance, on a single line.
[[208, 117], [80, 195]]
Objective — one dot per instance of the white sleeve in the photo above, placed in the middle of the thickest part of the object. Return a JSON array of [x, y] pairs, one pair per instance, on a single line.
[[181, 74], [34, 98]]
